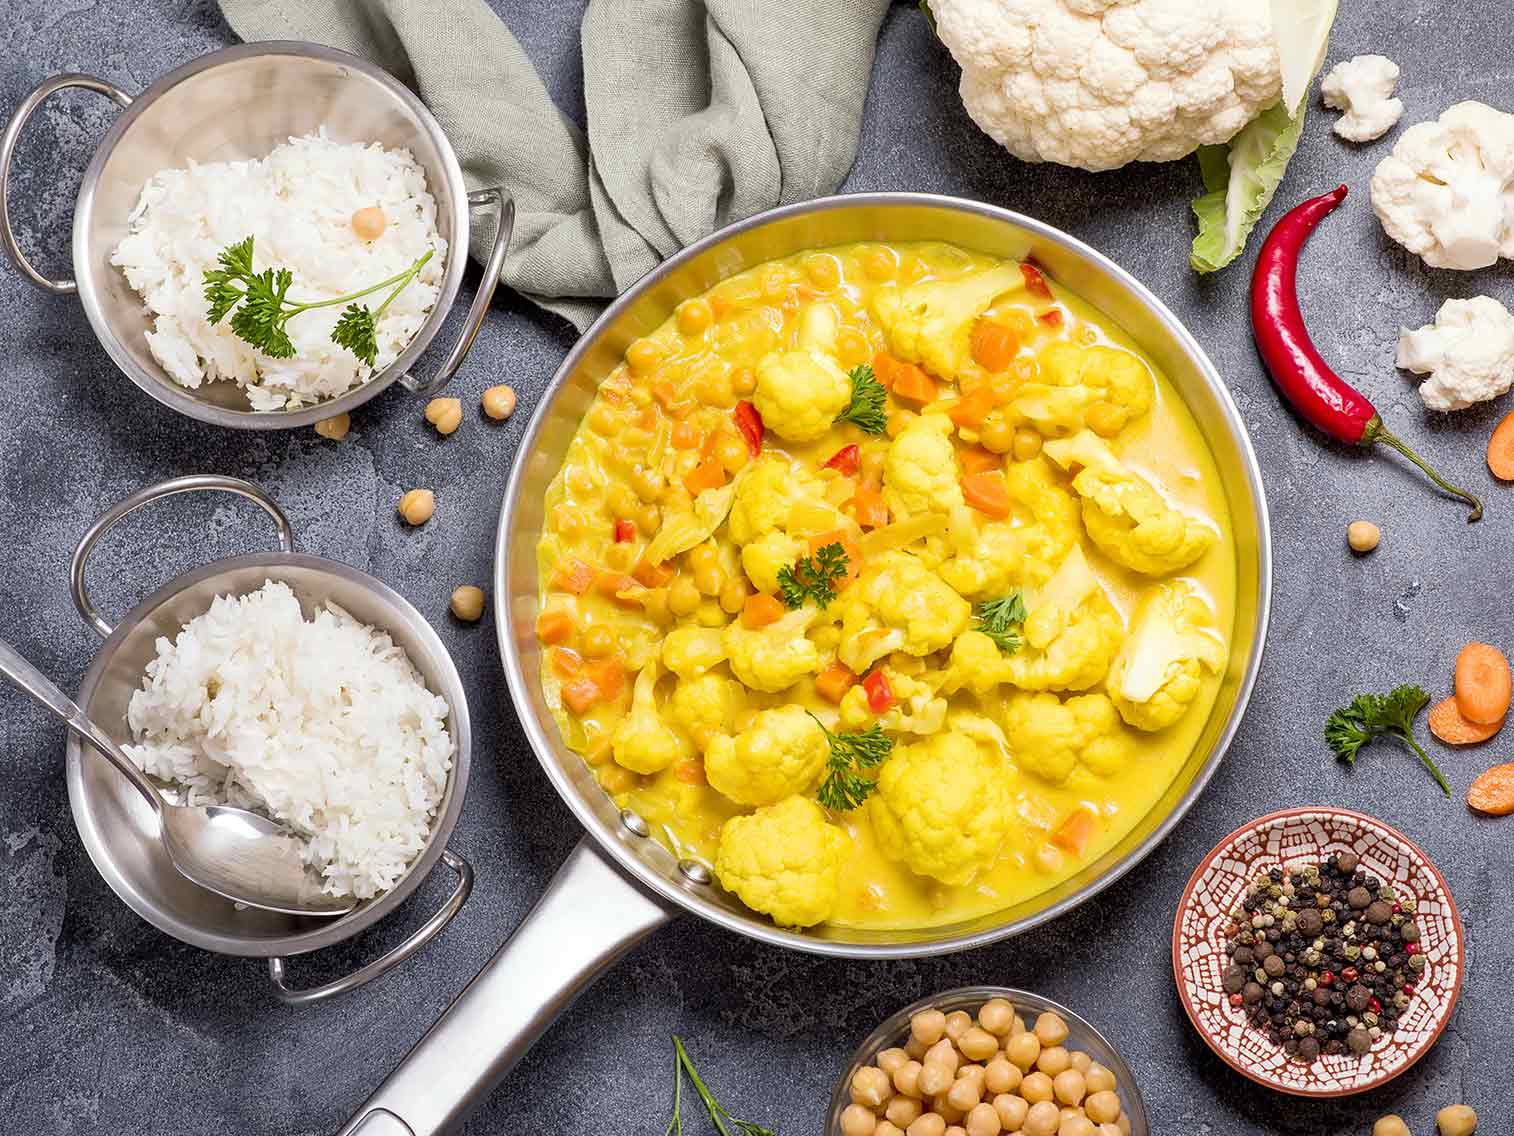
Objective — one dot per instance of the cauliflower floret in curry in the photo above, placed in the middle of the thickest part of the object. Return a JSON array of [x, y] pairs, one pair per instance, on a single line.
[[691, 651], [1049, 737], [783, 860], [800, 392], [916, 709], [943, 807], [920, 473], [897, 604], [931, 323], [1099, 387], [706, 705], [774, 504], [1125, 515], [781, 753], [775, 657], [994, 556], [1160, 670], [643, 742]]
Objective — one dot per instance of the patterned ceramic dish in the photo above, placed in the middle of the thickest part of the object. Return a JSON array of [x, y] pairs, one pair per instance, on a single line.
[[1282, 840], [1080, 1035]]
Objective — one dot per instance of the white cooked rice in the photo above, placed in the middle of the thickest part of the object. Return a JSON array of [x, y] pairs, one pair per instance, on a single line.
[[321, 723], [297, 204]]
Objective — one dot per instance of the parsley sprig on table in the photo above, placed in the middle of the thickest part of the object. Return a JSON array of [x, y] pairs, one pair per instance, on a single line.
[[1001, 620], [813, 577], [724, 1122], [1372, 716], [866, 407], [263, 307], [844, 787]]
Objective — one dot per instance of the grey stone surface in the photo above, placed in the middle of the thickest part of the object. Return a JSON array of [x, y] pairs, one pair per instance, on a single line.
[[109, 1026]]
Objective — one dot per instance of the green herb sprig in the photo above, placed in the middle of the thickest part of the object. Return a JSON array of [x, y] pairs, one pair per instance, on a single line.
[[724, 1122], [263, 307], [866, 407], [813, 577], [1372, 716], [844, 787], [1001, 620]]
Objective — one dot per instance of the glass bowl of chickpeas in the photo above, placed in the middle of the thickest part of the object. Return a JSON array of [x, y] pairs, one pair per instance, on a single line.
[[984, 1060]]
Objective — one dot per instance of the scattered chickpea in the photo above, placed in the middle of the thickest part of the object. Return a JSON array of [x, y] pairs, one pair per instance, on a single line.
[[1011, 1110], [1076, 1125], [1456, 1120], [1099, 1078], [446, 414], [468, 604], [1001, 1077], [1390, 1125], [1363, 536], [417, 506], [369, 223], [743, 380], [1080, 1061], [995, 1016], [907, 1078], [885, 1128], [335, 427], [499, 402], [983, 1120], [683, 596], [964, 1094]]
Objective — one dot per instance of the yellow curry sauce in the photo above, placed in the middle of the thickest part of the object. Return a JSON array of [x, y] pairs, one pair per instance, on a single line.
[[1028, 450]]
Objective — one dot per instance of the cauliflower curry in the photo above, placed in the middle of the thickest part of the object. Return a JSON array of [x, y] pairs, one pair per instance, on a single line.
[[889, 580]]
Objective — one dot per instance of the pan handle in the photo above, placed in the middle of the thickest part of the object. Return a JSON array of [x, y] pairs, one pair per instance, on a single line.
[[589, 916], [8, 142], [145, 496]]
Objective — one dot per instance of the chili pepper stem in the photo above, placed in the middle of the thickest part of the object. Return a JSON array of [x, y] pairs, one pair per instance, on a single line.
[[1377, 432]]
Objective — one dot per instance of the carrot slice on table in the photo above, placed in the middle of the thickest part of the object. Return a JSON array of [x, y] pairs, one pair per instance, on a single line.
[[1482, 683], [1501, 449], [987, 493], [1493, 792], [1075, 832], [1447, 724]]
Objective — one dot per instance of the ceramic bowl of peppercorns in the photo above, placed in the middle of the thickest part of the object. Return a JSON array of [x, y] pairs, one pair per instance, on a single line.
[[1318, 951]]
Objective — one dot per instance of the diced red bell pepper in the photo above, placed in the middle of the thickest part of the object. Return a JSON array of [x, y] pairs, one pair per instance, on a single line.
[[749, 422], [625, 531], [880, 696], [1052, 318], [848, 459], [1035, 283]]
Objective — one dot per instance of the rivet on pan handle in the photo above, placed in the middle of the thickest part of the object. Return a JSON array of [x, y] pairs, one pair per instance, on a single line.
[[8, 142], [427, 931], [146, 495]]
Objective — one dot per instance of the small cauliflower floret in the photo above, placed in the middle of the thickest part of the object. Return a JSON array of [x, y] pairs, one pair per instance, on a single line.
[[765, 493], [1125, 515], [920, 473], [943, 807], [706, 705], [643, 742], [1446, 193], [800, 393], [897, 604], [691, 651], [994, 556], [784, 861], [781, 753], [1080, 386], [768, 555], [775, 657], [916, 709], [932, 323], [1050, 737], [1468, 352], [1362, 86], [1158, 673]]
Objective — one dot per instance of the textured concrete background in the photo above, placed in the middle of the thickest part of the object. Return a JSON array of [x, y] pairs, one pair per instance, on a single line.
[[109, 1026]]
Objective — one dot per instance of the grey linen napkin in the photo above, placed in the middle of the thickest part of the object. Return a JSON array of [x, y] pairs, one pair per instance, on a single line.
[[700, 112]]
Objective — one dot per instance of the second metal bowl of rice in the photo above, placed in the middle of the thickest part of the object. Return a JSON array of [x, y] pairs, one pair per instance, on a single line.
[[199, 133], [232, 628]]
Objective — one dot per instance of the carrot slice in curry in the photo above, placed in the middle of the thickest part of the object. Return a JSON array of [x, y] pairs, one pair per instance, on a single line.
[[1075, 832]]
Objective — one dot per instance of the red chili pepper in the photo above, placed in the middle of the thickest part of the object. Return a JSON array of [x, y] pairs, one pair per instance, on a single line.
[[848, 459], [880, 696], [1035, 283], [749, 422], [1052, 318], [625, 531], [1314, 390]]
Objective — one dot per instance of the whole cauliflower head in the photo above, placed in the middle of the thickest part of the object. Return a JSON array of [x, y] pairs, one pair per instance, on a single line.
[[1468, 352], [1099, 83], [784, 861], [943, 807], [897, 604], [1125, 515], [1362, 86], [931, 323], [800, 393], [1159, 671], [1446, 193], [1079, 384], [991, 557], [1050, 738], [781, 753], [642, 741], [775, 657], [705, 706], [920, 473]]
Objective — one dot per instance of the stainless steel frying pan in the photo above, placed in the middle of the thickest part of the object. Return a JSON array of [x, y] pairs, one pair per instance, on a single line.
[[619, 883]]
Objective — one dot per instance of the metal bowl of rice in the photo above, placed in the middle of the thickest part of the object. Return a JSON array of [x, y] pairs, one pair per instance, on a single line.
[[119, 830], [239, 105]]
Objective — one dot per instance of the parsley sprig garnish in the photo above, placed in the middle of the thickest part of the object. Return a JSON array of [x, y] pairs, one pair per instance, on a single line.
[[725, 1123], [813, 577], [844, 787], [263, 307], [866, 407], [1380, 715], [1001, 620]]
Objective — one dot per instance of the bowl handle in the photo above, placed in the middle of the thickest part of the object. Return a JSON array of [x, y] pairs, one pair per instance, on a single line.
[[590, 915], [144, 496], [423, 935], [8, 141], [504, 207]]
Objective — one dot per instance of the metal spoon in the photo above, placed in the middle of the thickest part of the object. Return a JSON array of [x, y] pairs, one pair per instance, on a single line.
[[232, 852]]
